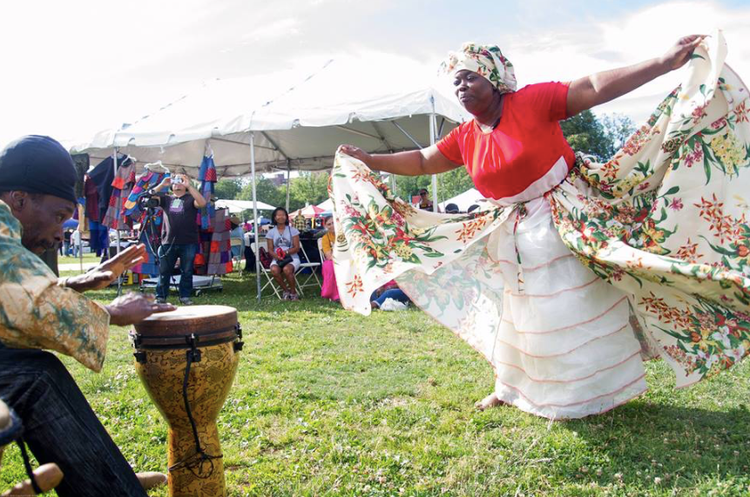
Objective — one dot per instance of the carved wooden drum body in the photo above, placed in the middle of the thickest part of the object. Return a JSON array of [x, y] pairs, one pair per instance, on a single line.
[[187, 360]]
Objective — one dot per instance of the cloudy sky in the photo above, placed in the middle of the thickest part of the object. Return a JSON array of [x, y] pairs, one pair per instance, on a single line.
[[73, 68]]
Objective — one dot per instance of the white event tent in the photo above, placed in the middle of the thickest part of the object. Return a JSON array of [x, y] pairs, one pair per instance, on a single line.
[[235, 206], [284, 121], [464, 200], [326, 205]]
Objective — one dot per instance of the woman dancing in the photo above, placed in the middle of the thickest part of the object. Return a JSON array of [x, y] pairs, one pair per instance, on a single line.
[[572, 272]]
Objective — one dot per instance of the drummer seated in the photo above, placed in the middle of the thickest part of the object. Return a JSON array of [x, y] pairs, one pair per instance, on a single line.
[[38, 311]]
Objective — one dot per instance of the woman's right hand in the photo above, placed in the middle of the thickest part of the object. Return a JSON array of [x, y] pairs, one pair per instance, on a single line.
[[355, 152]]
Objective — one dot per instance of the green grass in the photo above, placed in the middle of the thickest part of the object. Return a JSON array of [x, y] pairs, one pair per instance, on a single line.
[[327, 402], [75, 260]]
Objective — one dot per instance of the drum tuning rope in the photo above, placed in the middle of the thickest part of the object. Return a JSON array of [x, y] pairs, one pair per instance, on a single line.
[[194, 463], [13, 432]]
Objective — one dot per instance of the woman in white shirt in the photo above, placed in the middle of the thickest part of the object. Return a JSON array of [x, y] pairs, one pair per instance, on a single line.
[[283, 245]]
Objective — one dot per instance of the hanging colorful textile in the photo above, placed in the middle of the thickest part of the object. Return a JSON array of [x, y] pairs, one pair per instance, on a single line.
[[121, 187], [564, 293], [214, 255], [146, 182], [207, 177], [103, 175], [92, 199]]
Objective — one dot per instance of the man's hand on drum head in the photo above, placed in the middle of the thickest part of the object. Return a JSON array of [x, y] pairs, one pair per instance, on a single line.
[[104, 274], [133, 308]]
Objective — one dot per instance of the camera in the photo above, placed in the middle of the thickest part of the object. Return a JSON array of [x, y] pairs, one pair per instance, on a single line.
[[148, 202]]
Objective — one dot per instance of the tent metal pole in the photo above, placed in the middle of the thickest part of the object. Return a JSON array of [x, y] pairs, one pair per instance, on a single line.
[[256, 221], [119, 280], [432, 142], [415, 142], [360, 133], [288, 173], [80, 234]]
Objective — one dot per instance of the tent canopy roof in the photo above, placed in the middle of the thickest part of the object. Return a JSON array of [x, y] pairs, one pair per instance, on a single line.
[[296, 122]]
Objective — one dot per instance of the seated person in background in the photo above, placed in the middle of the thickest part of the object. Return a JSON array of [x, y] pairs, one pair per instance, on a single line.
[[329, 290], [451, 209], [39, 311], [472, 208], [236, 237], [388, 291], [283, 245]]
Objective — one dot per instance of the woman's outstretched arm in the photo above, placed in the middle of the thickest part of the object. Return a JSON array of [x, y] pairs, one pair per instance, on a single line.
[[590, 91], [412, 163]]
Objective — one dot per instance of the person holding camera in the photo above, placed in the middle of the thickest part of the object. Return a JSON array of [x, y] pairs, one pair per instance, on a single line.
[[283, 245], [179, 238]]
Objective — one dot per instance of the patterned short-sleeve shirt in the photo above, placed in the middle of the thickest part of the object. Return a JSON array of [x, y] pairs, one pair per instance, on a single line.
[[35, 312]]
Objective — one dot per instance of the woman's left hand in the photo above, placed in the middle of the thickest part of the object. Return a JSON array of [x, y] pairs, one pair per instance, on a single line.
[[680, 53]]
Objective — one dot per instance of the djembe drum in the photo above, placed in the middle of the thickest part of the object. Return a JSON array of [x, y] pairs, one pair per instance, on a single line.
[[187, 360]]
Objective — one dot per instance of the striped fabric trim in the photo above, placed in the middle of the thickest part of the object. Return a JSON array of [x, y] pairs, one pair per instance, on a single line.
[[563, 353], [537, 332], [615, 392], [538, 380], [531, 268], [547, 295]]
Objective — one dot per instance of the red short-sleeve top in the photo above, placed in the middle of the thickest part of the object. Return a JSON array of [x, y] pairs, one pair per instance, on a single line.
[[523, 147]]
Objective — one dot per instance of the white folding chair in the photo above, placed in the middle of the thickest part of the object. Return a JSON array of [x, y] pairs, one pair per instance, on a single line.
[[270, 281], [313, 267], [236, 259], [320, 250]]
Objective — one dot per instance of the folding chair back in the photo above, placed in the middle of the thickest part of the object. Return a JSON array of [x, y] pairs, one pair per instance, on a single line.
[[310, 280], [320, 250], [270, 281]]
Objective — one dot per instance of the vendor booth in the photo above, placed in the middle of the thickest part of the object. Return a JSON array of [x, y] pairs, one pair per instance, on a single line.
[[269, 123]]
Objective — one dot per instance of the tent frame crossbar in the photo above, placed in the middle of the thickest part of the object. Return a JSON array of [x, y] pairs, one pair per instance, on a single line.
[[415, 142]]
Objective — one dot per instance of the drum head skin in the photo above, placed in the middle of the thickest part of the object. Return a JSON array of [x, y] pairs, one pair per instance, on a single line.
[[193, 319]]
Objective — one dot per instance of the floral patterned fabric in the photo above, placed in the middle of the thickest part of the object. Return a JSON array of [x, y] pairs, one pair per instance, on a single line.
[[37, 313], [664, 223], [487, 61]]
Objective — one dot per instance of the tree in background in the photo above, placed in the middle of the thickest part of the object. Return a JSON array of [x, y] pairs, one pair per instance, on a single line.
[[266, 191], [228, 189], [600, 138], [618, 128], [409, 186], [453, 183], [308, 188]]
